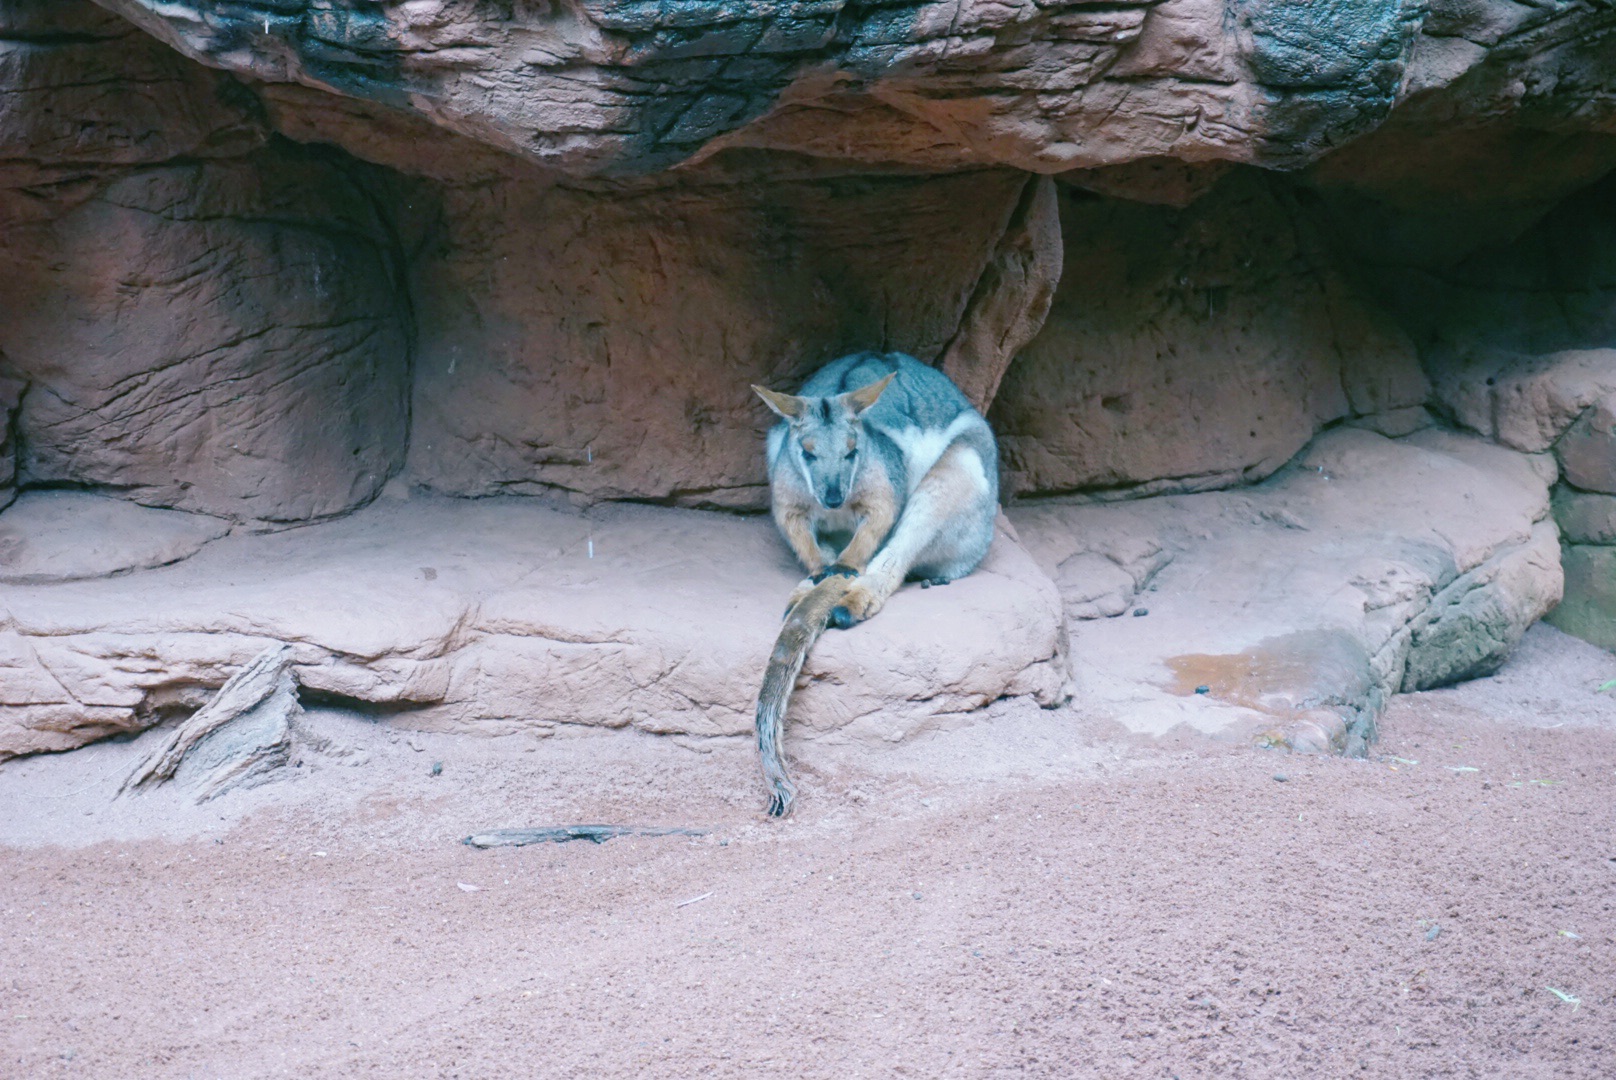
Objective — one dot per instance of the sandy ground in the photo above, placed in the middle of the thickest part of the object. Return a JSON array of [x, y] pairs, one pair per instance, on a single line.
[[1035, 894]]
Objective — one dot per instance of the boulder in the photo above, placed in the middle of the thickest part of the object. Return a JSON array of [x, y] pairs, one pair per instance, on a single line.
[[1589, 608], [1588, 554], [505, 615], [1584, 518], [1524, 401], [1287, 612], [1587, 451]]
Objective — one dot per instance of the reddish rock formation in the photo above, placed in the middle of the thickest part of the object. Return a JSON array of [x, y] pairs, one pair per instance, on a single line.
[[260, 262], [603, 342], [1196, 348]]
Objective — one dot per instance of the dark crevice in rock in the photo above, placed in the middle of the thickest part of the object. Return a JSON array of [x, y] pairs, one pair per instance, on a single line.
[[379, 712]]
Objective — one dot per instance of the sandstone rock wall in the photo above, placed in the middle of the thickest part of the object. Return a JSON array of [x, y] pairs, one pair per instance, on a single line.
[[1515, 334], [602, 343], [228, 337], [86, 97], [192, 313], [1196, 348], [509, 321], [1563, 402], [261, 263]]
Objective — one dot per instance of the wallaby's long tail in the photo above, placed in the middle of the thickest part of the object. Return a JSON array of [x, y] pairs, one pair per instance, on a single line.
[[804, 623]]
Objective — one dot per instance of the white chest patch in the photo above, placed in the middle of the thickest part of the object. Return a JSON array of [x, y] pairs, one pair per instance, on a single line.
[[921, 447]]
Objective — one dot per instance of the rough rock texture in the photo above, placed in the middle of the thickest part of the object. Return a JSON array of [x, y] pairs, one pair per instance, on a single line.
[[1196, 348], [1525, 401], [192, 314], [238, 739], [614, 85], [280, 393], [1564, 402], [266, 261], [84, 97], [1011, 299], [1589, 608], [603, 343], [68, 535], [1585, 518], [565, 332], [1288, 612], [1587, 450], [502, 615]]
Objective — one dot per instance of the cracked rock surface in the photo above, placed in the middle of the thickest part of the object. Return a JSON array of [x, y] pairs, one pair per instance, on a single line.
[[502, 615], [370, 268], [1043, 85], [1368, 566], [1288, 612]]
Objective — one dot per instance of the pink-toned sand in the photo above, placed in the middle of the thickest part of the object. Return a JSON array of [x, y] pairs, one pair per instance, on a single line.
[[1034, 894]]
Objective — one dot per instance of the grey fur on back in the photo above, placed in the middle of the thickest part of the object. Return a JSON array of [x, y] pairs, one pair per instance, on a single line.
[[921, 397]]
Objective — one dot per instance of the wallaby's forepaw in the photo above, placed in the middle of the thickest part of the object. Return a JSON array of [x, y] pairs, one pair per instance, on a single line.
[[860, 602]]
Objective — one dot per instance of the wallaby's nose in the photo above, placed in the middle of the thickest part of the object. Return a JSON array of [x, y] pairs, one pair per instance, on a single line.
[[834, 497]]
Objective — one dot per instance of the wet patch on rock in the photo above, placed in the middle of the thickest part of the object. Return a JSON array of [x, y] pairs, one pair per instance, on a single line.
[[1287, 613]]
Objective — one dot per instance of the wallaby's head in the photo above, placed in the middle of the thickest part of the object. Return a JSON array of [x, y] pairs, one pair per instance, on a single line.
[[826, 436]]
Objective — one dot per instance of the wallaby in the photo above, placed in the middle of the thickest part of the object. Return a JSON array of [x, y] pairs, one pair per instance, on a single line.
[[880, 471]]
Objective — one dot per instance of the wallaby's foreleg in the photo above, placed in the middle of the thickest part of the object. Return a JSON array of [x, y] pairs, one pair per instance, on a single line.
[[868, 537], [798, 529], [953, 495]]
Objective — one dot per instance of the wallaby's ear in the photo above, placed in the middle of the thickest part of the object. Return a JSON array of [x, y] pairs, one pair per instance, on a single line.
[[784, 404], [865, 396]]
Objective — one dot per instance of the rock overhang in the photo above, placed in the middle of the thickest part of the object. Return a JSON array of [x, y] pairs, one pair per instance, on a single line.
[[608, 87]]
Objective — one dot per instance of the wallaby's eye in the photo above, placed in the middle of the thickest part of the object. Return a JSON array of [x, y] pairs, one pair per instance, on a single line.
[[851, 454], [808, 456]]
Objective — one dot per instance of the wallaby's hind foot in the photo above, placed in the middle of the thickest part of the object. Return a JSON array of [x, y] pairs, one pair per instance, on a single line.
[[926, 583]]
